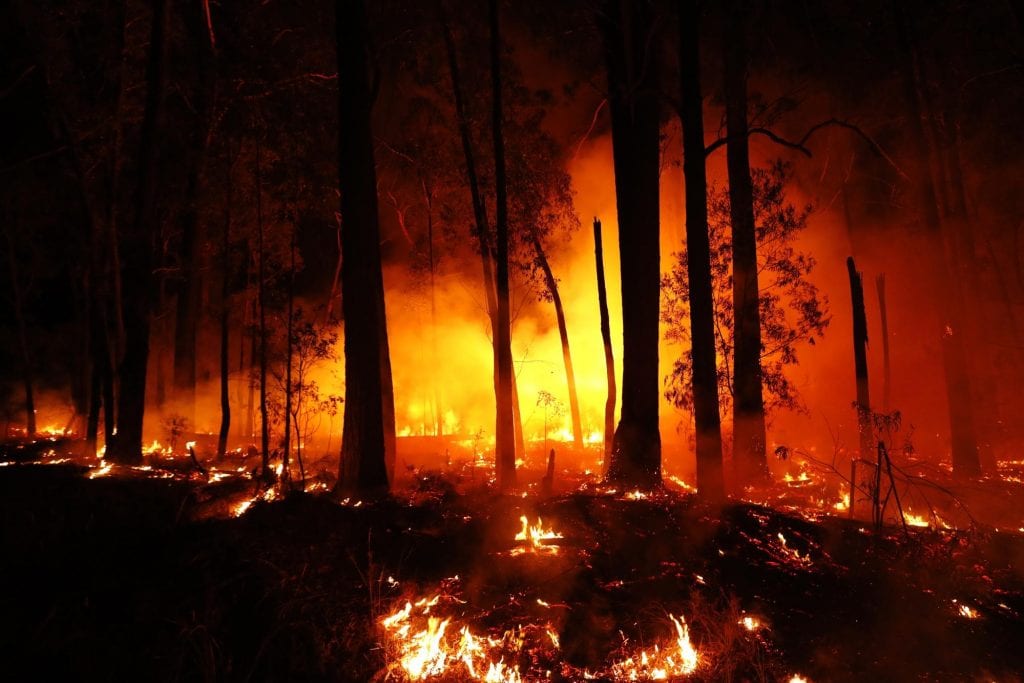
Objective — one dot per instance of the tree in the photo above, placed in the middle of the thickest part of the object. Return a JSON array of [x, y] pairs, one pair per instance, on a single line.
[[704, 374], [793, 311], [948, 288], [136, 250], [362, 467], [630, 44], [505, 446], [749, 437]]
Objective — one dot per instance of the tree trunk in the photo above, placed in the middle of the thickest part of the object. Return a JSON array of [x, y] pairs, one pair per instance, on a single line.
[[137, 256], [19, 317], [749, 438], [362, 469], [860, 360], [289, 327], [886, 363], [225, 317], [563, 333], [947, 299], [504, 432], [609, 357], [480, 218], [261, 285], [633, 96], [438, 412], [708, 422]]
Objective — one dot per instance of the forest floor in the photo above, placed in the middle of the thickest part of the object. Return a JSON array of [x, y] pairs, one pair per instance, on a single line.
[[147, 574]]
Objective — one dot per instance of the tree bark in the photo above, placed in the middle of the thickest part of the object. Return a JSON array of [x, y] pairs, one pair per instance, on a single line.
[[609, 356], [860, 360], [707, 419], [261, 286], [362, 469], [749, 432], [563, 333], [289, 327], [136, 255], [26, 357], [225, 316], [886, 362], [505, 446], [633, 85]]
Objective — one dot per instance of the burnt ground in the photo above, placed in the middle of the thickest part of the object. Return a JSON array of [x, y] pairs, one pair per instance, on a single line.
[[131, 578]]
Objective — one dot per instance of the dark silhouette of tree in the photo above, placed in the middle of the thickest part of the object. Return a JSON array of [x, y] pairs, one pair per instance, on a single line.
[[630, 45], [505, 446], [136, 255], [948, 290], [749, 458], [704, 375], [362, 468]]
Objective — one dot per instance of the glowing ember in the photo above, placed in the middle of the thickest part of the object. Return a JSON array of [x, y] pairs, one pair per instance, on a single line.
[[793, 553], [797, 678], [965, 610], [536, 538], [636, 495], [101, 471], [750, 623], [676, 659]]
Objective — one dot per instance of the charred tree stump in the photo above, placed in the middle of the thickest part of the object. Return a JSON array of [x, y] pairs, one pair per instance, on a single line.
[[547, 484]]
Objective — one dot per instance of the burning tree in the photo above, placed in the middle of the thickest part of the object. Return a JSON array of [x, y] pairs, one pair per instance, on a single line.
[[793, 310]]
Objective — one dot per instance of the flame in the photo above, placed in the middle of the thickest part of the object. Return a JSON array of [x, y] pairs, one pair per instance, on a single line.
[[658, 664], [636, 495], [844, 500], [965, 610], [750, 623], [797, 678], [101, 471], [793, 553], [915, 520], [536, 538], [437, 647]]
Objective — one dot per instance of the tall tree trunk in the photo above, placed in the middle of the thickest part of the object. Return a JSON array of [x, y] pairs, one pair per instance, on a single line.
[[137, 255], [707, 419], [438, 411], [261, 286], [606, 337], [633, 94], [563, 333], [505, 445], [886, 362], [946, 287], [363, 446], [19, 318], [749, 437], [225, 316], [480, 215], [289, 330], [860, 361], [188, 307]]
